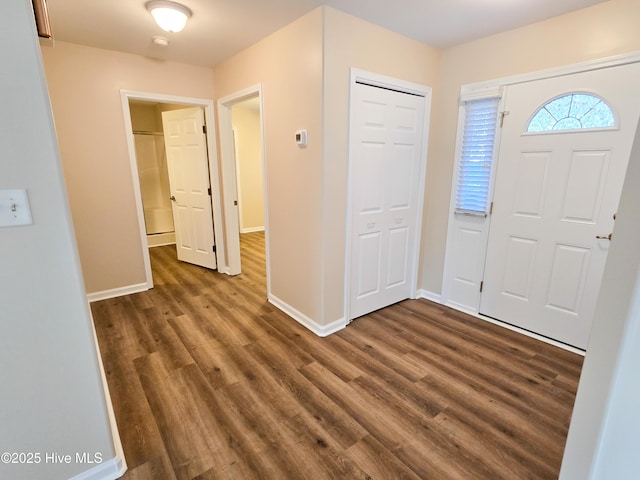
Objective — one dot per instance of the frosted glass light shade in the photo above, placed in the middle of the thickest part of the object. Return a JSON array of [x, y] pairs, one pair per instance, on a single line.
[[170, 16]]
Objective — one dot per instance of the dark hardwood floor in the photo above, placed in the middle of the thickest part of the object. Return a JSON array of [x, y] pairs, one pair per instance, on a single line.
[[209, 381]]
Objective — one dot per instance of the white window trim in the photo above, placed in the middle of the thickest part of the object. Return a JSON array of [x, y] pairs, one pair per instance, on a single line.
[[471, 89]]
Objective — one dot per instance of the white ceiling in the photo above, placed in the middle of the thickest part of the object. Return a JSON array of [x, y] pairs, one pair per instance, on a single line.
[[219, 29]]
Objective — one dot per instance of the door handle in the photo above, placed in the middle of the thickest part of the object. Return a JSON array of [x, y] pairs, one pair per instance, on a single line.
[[172, 198], [604, 237]]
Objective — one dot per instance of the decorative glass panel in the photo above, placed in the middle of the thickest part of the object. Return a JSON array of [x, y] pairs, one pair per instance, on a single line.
[[575, 111]]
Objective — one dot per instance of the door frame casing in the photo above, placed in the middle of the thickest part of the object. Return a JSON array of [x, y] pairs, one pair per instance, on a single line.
[[480, 89], [207, 106], [229, 177], [401, 86]]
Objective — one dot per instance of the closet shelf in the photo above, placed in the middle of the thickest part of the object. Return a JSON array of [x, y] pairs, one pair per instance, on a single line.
[[143, 132]]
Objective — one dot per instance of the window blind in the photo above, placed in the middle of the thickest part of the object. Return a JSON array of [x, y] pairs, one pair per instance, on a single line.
[[476, 155]]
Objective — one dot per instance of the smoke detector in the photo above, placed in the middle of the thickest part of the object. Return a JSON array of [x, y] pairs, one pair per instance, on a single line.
[[159, 41]]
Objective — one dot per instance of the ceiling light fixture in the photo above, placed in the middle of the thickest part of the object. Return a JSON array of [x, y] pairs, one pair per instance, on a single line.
[[170, 16]]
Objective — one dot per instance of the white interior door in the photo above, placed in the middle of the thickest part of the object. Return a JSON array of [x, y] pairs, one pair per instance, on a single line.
[[555, 194], [188, 165], [386, 149]]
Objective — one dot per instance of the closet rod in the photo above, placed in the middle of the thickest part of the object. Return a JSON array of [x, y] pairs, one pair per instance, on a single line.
[[143, 132]]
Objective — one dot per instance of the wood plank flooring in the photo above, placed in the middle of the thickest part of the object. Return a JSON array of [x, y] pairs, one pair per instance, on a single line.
[[209, 381]]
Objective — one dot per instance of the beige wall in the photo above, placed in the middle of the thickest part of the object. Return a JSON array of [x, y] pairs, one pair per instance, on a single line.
[[84, 85], [288, 64], [250, 175], [52, 397], [603, 30], [307, 187], [145, 117], [304, 70], [351, 42]]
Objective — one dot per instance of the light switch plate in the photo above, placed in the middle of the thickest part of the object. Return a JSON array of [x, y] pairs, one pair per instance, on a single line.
[[14, 208], [301, 138]]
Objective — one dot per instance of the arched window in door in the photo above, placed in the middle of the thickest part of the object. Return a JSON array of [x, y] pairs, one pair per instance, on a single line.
[[573, 111]]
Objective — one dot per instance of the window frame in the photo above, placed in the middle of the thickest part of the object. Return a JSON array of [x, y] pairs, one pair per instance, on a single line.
[[487, 94], [616, 124]]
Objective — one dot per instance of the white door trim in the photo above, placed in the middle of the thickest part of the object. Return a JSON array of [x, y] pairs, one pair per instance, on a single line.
[[470, 89], [207, 105], [479, 89], [234, 132], [228, 164], [402, 86]]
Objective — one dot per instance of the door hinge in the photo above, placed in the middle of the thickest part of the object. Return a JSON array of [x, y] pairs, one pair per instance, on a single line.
[[204, 129], [209, 191], [235, 203], [490, 207], [481, 286], [502, 115], [214, 249]]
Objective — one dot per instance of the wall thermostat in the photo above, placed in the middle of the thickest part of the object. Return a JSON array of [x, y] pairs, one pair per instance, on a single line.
[[301, 138]]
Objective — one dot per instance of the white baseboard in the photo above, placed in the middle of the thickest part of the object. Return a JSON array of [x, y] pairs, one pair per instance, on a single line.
[[434, 297], [118, 292], [302, 319], [161, 239], [108, 470], [252, 229]]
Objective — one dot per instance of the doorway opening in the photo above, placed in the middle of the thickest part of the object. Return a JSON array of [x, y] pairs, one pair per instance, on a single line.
[[153, 172], [243, 162], [247, 140], [156, 218], [531, 252]]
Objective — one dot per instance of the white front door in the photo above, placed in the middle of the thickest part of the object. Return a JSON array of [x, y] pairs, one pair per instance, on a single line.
[[555, 198], [386, 155], [188, 165]]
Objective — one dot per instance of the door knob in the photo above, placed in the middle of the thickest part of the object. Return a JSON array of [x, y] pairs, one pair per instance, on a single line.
[[604, 237], [172, 198]]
